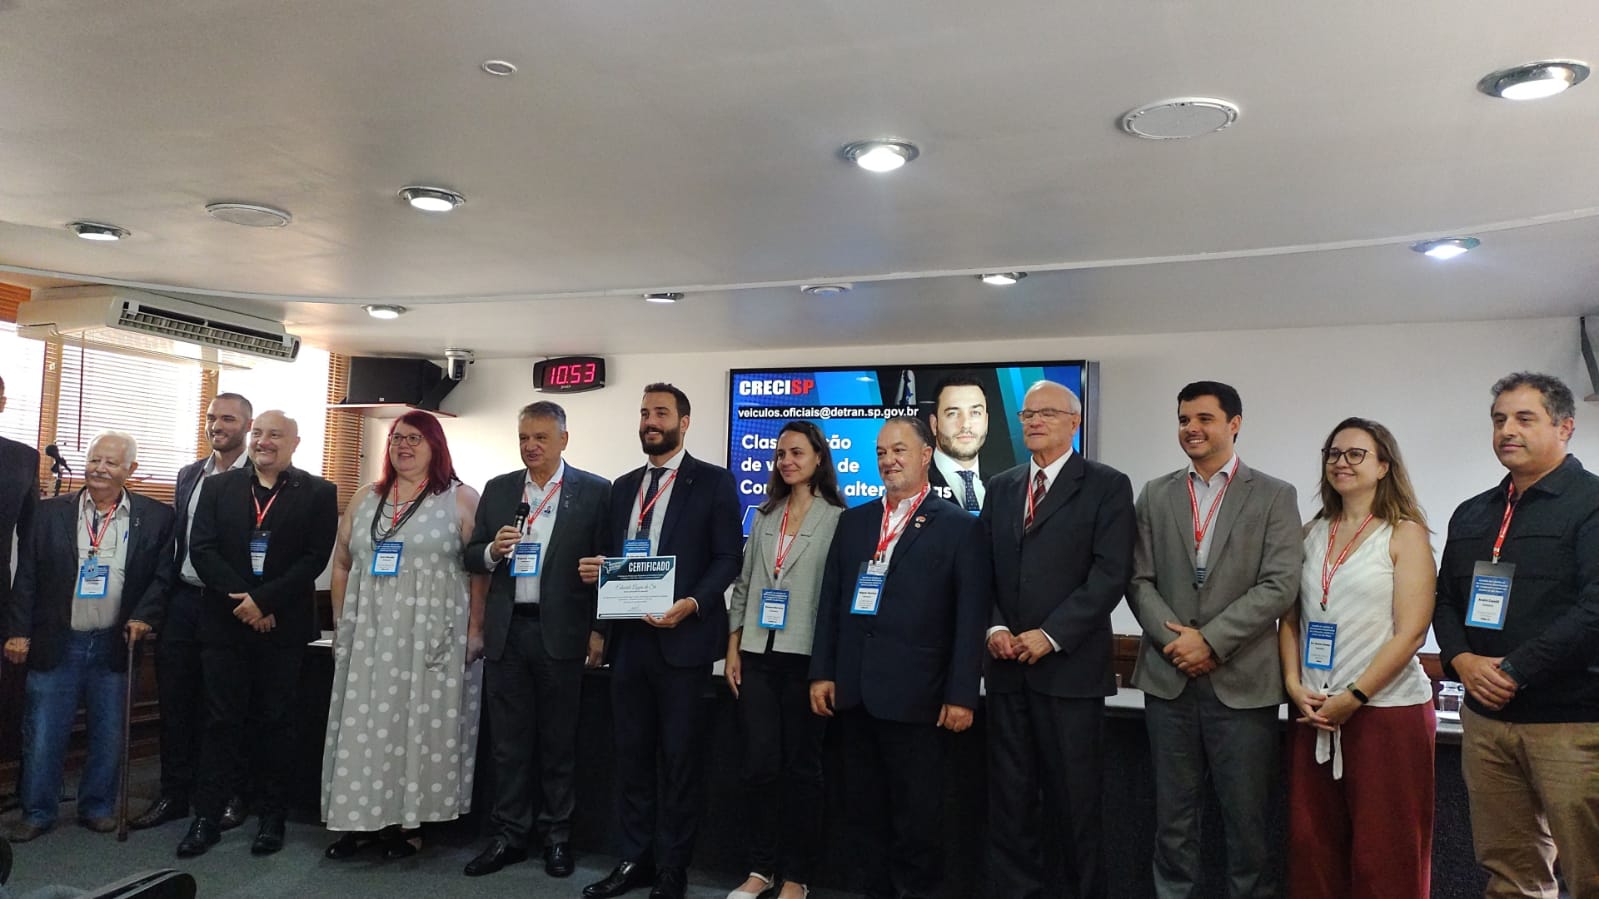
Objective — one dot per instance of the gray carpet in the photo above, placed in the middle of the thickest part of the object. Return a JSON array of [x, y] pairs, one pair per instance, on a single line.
[[73, 856]]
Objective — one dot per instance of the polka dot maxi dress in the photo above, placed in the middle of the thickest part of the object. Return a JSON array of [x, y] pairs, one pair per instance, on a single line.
[[403, 717]]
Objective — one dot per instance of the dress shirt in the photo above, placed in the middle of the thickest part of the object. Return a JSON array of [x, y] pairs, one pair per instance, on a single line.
[[187, 572], [100, 612], [1204, 492], [540, 531], [950, 469], [1051, 472], [898, 523], [663, 496]]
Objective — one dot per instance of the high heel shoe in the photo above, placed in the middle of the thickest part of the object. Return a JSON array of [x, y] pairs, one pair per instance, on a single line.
[[348, 844]]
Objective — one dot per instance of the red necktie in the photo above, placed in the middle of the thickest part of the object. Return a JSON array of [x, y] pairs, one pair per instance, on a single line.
[[1040, 487]]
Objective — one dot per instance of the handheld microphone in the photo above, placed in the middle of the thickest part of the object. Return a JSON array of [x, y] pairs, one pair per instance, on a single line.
[[522, 511], [60, 463]]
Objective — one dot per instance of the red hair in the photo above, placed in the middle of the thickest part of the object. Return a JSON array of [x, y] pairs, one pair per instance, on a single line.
[[441, 471]]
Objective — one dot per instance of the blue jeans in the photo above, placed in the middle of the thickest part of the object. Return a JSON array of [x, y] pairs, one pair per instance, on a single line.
[[52, 701]]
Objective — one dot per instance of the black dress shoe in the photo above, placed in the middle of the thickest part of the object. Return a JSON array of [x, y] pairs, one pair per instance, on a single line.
[[624, 877], [558, 860], [670, 883], [498, 854], [160, 812], [398, 844], [233, 814], [202, 835], [269, 838]]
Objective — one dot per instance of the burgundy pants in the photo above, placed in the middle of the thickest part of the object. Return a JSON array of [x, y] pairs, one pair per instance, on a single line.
[[1370, 833]]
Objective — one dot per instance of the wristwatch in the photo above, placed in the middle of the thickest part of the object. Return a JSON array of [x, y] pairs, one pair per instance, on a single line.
[[1355, 692]]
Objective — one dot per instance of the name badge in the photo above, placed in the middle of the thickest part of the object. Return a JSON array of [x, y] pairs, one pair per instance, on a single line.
[[774, 609], [1490, 595], [525, 559], [1321, 640], [868, 592], [93, 579], [386, 557], [258, 551], [640, 547]]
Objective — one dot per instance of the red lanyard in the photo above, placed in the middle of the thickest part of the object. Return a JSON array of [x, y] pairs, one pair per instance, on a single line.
[[394, 522], [659, 492], [548, 495], [261, 513], [886, 536], [1193, 501], [782, 546], [1504, 526], [105, 525], [1327, 571]]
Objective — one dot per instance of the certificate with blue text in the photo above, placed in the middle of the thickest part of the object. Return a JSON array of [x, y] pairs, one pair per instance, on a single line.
[[636, 586]]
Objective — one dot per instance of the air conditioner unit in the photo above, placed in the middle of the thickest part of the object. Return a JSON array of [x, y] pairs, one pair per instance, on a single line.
[[135, 323]]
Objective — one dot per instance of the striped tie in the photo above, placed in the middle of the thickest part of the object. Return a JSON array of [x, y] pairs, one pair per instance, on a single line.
[[648, 515], [970, 503], [1040, 487]]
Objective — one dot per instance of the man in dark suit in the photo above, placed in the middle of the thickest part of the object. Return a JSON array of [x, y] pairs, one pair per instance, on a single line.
[[260, 538], [93, 577], [538, 633], [661, 664], [177, 652], [1059, 534], [19, 493], [898, 654]]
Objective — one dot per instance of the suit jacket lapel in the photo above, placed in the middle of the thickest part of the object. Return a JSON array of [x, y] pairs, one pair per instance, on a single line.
[[679, 499], [802, 540], [571, 489], [1182, 510], [1231, 507], [913, 527], [1066, 486]]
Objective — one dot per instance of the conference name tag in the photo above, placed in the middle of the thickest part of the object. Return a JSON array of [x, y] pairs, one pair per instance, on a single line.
[[258, 551], [525, 559], [386, 557], [635, 548], [1321, 640], [774, 609], [1490, 595], [93, 579], [868, 589]]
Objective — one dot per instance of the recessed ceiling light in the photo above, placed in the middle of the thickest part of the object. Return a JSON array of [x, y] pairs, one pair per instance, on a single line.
[[1446, 247], [1001, 279], [662, 297], [881, 155], [97, 231], [385, 311], [250, 215], [499, 68], [431, 199], [1180, 118], [825, 290], [1534, 81]]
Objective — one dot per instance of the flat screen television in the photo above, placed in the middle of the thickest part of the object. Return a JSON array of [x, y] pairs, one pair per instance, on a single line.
[[849, 404]]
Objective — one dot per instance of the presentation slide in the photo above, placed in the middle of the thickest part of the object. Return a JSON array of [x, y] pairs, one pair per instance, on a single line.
[[971, 407]]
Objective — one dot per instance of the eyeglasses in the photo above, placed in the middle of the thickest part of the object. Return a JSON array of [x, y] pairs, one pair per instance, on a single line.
[[1352, 456], [411, 440], [1048, 415]]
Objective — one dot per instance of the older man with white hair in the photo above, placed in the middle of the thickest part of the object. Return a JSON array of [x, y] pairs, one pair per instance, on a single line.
[[92, 579]]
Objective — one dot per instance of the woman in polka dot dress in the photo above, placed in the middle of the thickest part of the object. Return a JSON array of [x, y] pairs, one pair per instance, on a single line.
[[403, 717]]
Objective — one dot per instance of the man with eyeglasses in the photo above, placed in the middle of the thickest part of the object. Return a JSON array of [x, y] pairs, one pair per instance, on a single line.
[[1517, 621], [1208, 593], [1058, 534]]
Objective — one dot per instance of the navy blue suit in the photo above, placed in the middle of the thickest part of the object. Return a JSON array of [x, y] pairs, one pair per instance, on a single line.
[[659, 675], [892, 673]]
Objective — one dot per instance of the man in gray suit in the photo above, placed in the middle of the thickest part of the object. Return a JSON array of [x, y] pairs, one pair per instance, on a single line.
[[532, 527], [1217, 562]]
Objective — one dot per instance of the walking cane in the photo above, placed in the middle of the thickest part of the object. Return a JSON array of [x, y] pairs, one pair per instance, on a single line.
[[127, 732]]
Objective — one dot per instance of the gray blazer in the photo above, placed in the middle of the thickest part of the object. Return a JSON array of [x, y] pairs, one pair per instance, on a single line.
[[802, 578], [1253, 578]]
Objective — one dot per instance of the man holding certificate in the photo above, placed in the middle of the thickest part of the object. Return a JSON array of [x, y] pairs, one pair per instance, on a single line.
[[674, 546]]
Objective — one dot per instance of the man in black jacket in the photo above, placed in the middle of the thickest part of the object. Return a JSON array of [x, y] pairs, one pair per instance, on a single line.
[[93, 578], [538, 633], [260, 539]]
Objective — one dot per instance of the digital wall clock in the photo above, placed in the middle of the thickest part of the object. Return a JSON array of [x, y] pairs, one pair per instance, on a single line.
[[569, 374]]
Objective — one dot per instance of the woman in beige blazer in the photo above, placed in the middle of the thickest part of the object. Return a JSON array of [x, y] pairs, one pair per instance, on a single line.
[[772, 617]]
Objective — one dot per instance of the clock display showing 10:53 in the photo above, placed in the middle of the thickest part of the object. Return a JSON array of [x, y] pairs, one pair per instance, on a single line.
[[569, 374]]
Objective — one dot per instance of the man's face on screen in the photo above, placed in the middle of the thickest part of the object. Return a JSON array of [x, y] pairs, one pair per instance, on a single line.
[[961, 421]]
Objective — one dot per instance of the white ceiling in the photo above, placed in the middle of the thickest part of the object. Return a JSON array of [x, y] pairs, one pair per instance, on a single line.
[[694, 146]]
